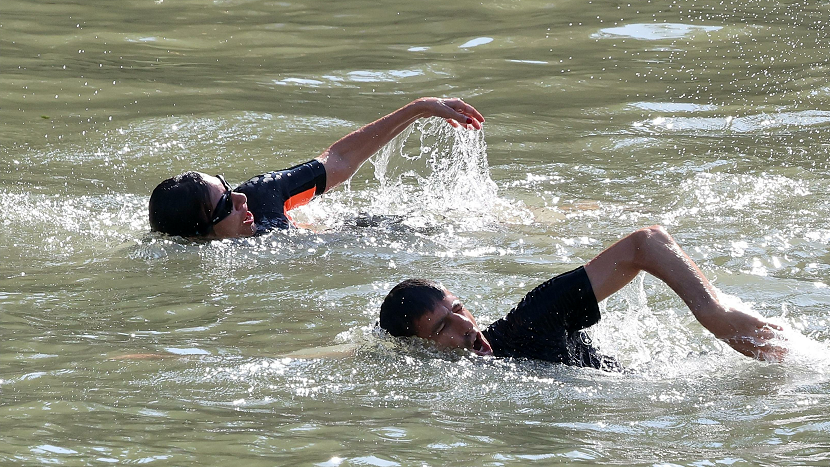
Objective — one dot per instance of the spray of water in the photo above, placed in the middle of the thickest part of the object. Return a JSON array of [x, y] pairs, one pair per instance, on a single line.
[[440, 178], [450, 171], [656, 339]]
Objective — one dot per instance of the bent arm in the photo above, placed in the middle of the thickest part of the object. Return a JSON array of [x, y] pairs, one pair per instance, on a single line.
[[653, 250], [343, 158]]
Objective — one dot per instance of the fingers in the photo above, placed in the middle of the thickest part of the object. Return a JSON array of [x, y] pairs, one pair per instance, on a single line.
[[777, 355], [466, 109], [772, 353], [469, 123], [462, 114], [765, 333], [765, 345]]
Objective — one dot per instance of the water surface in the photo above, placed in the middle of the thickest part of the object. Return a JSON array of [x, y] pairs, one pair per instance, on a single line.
[[120, 346]]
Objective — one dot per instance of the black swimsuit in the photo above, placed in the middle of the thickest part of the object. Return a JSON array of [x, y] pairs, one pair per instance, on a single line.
[[548, 324], [272, 194]]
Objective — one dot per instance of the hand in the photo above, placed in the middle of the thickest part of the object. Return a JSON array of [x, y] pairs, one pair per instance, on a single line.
[[752, 336], [458, 113]]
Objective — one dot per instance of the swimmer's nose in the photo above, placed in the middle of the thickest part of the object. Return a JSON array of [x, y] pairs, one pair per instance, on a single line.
[[239, 198], [468, 326]]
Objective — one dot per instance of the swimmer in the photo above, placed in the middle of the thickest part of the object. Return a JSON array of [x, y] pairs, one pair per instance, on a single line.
[[548, 324], [197, 205]]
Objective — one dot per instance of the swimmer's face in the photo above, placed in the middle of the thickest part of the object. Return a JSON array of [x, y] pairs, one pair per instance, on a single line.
[[240, 221], [451, 326]]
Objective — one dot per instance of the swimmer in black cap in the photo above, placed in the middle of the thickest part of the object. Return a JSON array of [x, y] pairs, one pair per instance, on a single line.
[[198, 205], [548, 323]]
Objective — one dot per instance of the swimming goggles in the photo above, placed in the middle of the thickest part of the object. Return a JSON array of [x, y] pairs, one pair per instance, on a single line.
[[225, 205]]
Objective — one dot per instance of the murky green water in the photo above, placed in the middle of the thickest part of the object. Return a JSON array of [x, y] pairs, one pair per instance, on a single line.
[[708, 117]]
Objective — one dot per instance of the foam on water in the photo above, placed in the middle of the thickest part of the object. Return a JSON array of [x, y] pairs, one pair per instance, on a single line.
[[63, 226], [442, 185]]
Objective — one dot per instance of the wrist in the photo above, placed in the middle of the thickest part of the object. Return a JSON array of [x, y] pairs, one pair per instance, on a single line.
[[715, 319], [422, 107]]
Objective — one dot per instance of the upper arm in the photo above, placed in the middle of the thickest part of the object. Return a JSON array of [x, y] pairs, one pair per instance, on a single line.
[[273, 193]]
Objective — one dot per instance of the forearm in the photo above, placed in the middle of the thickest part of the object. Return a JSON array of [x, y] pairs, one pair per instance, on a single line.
[[343, 158]]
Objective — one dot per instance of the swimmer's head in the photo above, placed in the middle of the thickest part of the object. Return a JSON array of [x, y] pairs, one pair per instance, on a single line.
[[423, 308], [407, 302], [194, 204], [181, 206]]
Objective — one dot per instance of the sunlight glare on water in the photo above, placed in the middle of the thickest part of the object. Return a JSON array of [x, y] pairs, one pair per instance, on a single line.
[[126, 346]]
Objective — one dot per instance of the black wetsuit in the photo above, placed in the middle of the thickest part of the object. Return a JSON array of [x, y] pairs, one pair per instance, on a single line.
[[272, 194], [548, 324]]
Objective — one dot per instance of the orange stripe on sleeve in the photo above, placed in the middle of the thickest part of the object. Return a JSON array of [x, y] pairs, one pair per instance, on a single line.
[[299, 199]]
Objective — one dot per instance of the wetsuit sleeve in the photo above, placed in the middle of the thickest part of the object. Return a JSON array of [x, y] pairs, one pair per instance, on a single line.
[[547, 324], [272, 194], [565, 302]]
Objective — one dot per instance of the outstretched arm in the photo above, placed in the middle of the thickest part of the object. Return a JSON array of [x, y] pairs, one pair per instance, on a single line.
[[653, 250], [343, 158]]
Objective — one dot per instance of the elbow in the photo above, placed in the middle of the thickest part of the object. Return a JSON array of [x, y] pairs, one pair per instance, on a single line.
[[655, 234], [336, 167]]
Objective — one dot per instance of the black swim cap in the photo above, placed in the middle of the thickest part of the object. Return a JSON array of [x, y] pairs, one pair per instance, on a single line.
[[181, 206]]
